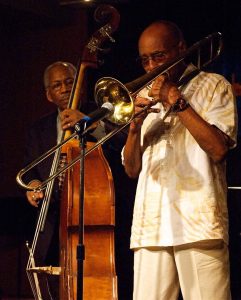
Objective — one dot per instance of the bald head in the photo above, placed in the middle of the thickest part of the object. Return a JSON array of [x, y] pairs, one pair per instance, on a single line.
[[166, 32], [159, 43]]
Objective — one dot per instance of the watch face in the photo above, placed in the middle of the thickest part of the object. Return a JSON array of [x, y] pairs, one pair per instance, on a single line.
[[180, 105]]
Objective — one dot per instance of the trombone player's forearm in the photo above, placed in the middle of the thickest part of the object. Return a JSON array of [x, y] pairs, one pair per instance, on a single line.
[[132, 151], [212, 140]]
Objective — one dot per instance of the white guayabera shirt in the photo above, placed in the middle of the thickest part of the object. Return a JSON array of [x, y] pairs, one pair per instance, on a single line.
[[181, 192]]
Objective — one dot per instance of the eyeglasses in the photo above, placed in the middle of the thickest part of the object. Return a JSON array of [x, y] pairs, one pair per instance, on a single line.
[[57, 85], [157, 57]]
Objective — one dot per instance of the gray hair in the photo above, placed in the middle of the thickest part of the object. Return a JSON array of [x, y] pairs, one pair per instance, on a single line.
[[57, 63]]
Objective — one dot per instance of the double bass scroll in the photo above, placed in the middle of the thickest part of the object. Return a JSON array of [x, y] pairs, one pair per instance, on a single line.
[[89, 57]]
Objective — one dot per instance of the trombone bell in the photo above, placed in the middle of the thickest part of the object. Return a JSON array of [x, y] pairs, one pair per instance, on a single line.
[[111, 90]]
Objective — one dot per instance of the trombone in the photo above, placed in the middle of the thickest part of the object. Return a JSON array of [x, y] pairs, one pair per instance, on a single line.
[[108, 89]]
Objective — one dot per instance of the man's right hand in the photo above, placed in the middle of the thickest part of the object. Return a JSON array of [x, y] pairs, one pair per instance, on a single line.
[[69, 117], [34, 196], [140, 103]]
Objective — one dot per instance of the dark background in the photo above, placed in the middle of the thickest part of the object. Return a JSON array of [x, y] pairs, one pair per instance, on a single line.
[[34, 34]]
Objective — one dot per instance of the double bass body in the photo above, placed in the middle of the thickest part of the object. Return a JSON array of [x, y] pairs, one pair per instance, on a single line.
[[99, 277]]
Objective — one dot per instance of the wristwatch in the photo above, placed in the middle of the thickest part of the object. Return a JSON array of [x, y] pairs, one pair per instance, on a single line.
[[180, 105]]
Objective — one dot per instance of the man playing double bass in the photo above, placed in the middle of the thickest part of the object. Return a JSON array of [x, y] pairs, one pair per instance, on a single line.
[[43, 135]]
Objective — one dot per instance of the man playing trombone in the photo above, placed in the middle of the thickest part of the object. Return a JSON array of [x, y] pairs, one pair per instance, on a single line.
[[180, 221]]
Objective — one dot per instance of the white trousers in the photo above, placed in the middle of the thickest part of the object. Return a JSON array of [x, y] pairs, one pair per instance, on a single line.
[[200, 269]]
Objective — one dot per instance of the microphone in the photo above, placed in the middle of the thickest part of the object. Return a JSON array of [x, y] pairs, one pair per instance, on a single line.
[[106, 109]]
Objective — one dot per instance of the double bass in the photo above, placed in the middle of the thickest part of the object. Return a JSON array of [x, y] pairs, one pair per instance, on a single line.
[[98, 277]]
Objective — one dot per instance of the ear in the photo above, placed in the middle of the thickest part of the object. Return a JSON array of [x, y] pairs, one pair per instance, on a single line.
[[182, 46], [48, 95]]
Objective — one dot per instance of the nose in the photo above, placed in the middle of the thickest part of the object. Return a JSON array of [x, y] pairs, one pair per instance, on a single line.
[[65, 87], [150, 65]]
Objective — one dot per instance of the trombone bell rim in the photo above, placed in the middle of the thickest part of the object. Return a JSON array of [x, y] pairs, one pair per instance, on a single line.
[[108, 89]]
